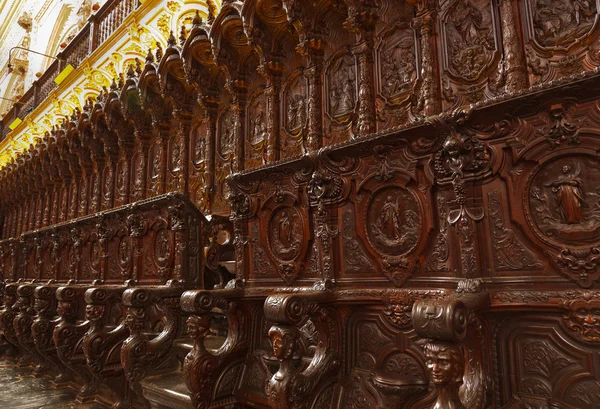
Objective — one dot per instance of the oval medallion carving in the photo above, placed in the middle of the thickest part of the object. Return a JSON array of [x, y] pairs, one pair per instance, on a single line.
[[286, 233], [564, 201], [394, 221]]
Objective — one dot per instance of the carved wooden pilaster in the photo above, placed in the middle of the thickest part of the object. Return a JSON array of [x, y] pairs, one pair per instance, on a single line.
[[361, 21], [314, 74], [516, 70], [425, 23], [273, 74], [240, 89]]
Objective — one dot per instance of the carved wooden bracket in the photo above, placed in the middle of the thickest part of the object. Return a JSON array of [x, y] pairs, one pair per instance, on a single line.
[[291, 386], [101, 339], [139, 353], [444, 324], [23, 322], [43, 328], [204, 368], [68, 334]]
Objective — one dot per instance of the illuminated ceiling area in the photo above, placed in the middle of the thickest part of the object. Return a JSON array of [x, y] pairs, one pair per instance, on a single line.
[[47, 26]]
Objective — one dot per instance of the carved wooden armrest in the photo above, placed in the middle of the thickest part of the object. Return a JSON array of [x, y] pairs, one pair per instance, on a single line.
[[444, 324], [68, 335], [23, 323], [43, 327], [291, 386], [203, 368], [9, 312], [98, 341], [139, 352]]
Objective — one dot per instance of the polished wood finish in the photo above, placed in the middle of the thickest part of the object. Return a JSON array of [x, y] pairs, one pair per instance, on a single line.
[[408, 191]]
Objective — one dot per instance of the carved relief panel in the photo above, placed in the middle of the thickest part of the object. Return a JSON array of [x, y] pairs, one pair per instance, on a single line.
[[175, 162], [560, 206], [295, 110], [470, 50], [256, 130], [557, 36], [392, 221], [539, 365], [279, 248], [397, 73], [341, 97]]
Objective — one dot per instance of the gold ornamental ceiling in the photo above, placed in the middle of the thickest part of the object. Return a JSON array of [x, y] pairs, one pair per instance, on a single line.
[[150, 23]]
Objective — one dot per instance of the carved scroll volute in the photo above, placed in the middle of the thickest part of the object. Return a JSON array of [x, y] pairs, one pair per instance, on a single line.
[[291, 387], [139, 353], [203, 368], [43, 329]]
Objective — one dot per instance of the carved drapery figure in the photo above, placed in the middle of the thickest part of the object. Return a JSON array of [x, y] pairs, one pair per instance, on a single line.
[[569, 194]]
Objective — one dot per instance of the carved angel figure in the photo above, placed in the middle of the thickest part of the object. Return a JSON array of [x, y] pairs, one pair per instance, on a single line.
[[568, 189]]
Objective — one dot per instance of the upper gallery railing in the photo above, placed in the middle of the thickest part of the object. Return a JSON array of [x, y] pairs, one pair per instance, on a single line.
[[98, 29]]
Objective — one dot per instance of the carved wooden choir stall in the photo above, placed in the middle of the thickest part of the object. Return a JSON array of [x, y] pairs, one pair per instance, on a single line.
[[323, 204]]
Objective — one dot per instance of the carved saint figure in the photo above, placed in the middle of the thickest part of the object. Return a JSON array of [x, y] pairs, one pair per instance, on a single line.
[[391, 220], [568, 189], [445, 363], [296, 114], [285, 230], [343, 89], [259, 129]]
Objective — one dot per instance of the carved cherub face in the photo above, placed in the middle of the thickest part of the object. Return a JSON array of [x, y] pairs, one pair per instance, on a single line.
[[566, 169], [445, 363]]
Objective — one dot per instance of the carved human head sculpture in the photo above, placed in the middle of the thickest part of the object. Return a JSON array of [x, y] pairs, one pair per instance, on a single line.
[[583, 317], [445, 362], [198, 327], [94, 312], [284, 341]]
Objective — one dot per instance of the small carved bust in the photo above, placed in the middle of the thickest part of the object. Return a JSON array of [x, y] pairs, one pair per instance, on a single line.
[[446, 365], [94, 312], [284, 341], [198, 327]]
